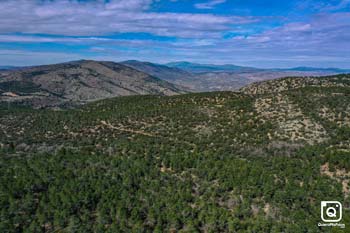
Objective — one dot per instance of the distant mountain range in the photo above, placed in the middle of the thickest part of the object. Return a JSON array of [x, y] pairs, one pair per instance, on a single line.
[[175, 68], [81, 81], [203, 68], [312, 69], [77, 82], [207, 77]]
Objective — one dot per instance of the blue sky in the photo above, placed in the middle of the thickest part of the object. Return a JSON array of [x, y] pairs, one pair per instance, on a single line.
[[261, 33]]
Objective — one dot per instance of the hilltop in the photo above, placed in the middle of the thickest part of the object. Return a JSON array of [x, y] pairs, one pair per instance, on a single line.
[[292, 83], [282, 107]]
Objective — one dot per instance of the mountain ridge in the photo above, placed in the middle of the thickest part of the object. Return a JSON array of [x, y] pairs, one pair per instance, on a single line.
[[78, 82], [210, 67]]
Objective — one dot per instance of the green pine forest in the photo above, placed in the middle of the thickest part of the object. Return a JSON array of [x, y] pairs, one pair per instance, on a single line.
[[258, 160]]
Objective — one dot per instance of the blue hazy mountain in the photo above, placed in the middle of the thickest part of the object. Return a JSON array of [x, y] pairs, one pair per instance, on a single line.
[[201, 68], [8, 67], [313, 69]]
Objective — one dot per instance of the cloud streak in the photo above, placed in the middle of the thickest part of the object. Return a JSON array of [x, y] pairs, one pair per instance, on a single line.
[[209, 5]]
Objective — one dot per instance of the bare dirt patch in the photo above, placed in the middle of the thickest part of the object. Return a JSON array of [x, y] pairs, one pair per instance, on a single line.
[[292, 124], [340, 175]]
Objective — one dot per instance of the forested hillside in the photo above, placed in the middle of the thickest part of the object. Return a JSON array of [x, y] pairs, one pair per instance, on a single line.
[[259, 160]]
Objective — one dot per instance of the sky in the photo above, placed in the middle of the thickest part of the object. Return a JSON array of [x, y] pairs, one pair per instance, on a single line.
[[259, 33]]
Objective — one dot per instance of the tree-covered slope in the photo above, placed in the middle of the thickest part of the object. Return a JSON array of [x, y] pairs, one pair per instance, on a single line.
[[212, 162]]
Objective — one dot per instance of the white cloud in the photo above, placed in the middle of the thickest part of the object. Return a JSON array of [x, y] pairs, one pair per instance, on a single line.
[[209, 5], [36, 39], [297, 27], [73, 18], [341, 5]]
